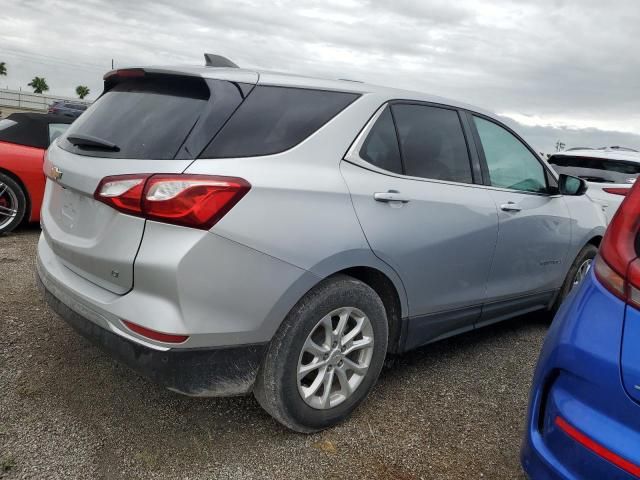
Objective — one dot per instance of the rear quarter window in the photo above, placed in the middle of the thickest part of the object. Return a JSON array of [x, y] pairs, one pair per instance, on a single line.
[[274, 119], [598, 170]]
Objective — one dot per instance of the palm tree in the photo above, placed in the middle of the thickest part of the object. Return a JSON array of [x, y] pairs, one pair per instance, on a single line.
[[39, 85], [82, 91], [3, 68]]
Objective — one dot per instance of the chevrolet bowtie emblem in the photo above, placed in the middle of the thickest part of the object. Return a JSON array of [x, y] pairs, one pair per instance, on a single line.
[[55, 173]]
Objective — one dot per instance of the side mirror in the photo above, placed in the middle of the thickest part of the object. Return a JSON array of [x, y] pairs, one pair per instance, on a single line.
[[569, 185]]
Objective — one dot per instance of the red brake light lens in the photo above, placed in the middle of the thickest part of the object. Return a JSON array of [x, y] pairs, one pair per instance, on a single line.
[[125, 73], [596, 448], [617, 269], [197, 201], [154, 334], [617, 191]]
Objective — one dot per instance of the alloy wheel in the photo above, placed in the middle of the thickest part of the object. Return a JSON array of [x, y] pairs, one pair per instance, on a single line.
[[335, 358], [8, 205], [581, 273]]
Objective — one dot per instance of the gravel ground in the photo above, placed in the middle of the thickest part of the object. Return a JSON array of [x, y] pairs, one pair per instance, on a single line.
[[451, 410]]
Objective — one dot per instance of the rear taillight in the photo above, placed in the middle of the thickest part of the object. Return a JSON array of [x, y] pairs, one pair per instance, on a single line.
[[617, 191], [197, 201], [617, 266]]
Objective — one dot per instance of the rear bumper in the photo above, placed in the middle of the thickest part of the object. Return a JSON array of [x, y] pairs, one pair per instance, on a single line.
[[201, 372], [578, 380]]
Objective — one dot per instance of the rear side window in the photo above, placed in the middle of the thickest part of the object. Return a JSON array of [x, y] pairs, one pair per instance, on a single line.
[[145, 118], [274, 119], [432, 143], [381, 146], [602, 170]]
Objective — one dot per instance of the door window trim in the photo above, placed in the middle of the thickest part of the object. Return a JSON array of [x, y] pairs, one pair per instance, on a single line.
[[353, 153], [548, 172]]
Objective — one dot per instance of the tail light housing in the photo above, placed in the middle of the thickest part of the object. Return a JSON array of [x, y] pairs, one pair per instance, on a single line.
[[617, 266], [196, 201]]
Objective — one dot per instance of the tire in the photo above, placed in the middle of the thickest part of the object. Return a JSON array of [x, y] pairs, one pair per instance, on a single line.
[[12, 197], [587, 254], [277, 387]]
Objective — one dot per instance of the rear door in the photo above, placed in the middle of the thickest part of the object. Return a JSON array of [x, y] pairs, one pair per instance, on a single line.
[[143, 123], [534, 224], [422, 213]]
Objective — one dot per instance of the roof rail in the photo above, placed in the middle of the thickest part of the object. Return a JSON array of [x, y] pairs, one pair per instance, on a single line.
[[213, 60]]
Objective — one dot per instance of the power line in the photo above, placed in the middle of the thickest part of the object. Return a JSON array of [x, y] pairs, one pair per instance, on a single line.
[[53, 61], [51, 57]]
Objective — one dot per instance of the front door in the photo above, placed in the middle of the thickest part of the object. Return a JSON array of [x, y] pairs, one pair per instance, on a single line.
[[534, 225]]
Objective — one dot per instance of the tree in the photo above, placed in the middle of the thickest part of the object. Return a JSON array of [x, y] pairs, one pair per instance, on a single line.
[[39, 85], [82, 91], [3, 68]]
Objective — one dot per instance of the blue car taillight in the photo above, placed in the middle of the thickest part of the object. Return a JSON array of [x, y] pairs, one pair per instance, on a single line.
[[596, 447], [618, 267]]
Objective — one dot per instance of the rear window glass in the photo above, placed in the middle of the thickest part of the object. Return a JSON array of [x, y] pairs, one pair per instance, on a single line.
[[145, 118], [602, 170], [274, 119]]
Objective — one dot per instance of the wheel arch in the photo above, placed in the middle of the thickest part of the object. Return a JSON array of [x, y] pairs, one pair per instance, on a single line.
[[595, 241], [363, 265], [389, 295]]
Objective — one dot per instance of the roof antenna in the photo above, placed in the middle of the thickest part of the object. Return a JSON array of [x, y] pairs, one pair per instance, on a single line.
[[213, 60]]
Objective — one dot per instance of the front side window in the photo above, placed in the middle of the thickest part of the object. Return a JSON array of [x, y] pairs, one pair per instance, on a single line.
[[432, 143], [381, 146], [510, 163]]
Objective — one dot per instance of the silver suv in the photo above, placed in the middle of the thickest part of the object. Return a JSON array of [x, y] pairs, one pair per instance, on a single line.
[[226, 231]]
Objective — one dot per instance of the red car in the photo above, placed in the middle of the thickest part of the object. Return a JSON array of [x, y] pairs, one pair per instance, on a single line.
[[24, 137]]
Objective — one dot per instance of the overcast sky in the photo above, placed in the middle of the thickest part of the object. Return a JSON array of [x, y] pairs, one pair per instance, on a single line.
[[563, 70]]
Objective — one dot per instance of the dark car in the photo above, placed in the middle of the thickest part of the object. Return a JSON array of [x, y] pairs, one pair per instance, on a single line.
[[68, 109]]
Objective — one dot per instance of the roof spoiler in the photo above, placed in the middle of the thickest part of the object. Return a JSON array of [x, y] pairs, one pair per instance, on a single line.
[[213, 60]]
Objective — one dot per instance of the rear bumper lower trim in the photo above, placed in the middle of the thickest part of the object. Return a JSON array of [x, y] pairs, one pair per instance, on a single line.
[[220, 371]]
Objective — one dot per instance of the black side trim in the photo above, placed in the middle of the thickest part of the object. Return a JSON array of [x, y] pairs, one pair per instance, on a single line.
[[504, 309], [223, 371], [437, 326], [421, 330]]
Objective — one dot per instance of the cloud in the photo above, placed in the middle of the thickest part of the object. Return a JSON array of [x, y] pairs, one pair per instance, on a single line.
[[563, 63]]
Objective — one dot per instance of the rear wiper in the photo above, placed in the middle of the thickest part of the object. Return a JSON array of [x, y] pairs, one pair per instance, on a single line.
[[80, 140]]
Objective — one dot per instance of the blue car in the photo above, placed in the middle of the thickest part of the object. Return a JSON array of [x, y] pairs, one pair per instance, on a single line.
[[584, 407]]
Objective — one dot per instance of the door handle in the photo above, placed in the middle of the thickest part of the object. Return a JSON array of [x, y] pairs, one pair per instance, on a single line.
[[390, 196], [510, 207]]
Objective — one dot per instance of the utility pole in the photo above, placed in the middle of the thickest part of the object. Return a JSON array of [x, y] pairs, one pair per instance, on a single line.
[[112, 64]]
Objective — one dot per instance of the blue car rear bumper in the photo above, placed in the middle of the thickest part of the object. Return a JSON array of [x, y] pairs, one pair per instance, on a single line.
[[578, 379]]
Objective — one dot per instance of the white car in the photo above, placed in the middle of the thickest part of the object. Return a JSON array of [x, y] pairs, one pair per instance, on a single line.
[[610, 172]]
